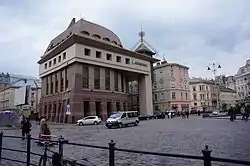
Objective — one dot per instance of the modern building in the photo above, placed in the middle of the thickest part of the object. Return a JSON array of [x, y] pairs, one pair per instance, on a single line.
[[204, 94], [24, 93], [243, 82], [228, 97], [171, 87], [85, 71]]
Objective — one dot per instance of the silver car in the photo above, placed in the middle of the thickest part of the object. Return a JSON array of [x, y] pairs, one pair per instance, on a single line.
[[89, 120], [121, 119]]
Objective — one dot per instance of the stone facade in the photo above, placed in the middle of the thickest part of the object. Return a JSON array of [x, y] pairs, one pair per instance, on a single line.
[[243, 82], [90, 74], [203, 94], [171, 87]]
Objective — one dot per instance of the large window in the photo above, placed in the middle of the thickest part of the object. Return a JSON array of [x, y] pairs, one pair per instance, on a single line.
[[96, 78], [173, 95], [107, 79], [62, 81], [116, 80], [85, 72], [51, 84], [122, 82], [56, 83], [47, 86], [66, 79]]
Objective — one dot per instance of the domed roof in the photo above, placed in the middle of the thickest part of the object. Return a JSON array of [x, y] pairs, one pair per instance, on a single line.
[[88, 29]]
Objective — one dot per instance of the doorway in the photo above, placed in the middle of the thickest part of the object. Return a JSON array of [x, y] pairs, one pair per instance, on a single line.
[[85, 108], [98, 108], [109, 108]]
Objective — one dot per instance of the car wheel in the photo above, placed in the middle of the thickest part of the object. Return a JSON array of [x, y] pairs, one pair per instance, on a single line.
[[120, 125], [136, 123], [95, 123], [80, 124]]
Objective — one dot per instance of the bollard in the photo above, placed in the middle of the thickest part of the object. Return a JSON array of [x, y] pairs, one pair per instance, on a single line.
[[111, 153], [1, 144], [61, 141], [28, 149], [207, 156]]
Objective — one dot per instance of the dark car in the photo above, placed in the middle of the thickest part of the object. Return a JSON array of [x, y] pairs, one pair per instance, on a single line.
[[145, 117]]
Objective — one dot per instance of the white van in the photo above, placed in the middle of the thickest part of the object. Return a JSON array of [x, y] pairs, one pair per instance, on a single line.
[[121, 119]]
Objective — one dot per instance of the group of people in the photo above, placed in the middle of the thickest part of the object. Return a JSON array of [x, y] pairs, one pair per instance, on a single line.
[[44, 127], [243, 109]]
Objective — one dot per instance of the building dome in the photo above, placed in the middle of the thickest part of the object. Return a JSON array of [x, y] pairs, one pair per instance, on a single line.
[[87, 29]]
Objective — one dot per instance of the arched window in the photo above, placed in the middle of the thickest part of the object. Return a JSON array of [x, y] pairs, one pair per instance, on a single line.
[[96, 36], [114, 42], [106, 39], [85, 33]]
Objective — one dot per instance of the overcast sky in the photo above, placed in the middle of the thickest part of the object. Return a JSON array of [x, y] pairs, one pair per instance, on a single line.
[[193, 33]]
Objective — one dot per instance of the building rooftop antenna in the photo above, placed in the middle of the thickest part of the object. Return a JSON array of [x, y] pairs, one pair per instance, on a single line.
[[141, 35]]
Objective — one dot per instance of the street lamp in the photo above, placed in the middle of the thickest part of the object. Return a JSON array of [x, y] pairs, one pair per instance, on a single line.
[[213, 68]]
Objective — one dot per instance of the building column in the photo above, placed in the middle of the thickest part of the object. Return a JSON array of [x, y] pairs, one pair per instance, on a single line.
[[145, 94], [91, 77], [92, 108], [104, 112], [119, 82]]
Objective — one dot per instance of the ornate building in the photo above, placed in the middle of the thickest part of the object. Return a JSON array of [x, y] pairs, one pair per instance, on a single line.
[[171, 87], [243, 82], [85, 71]]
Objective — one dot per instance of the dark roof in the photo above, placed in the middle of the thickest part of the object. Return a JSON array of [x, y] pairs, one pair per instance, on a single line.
[[225, 89], [199, 81], [83, 39], [169, 64], [142, 48], [88, 29]]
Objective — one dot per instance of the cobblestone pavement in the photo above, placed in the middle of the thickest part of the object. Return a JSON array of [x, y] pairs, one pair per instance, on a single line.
[[186, 136]]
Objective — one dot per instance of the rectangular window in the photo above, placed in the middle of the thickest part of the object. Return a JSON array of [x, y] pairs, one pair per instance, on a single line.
[[156, 97], [62, 81], [194, 88], [109, 57], [122, 83], [116, 80], [66, 79], [56, 83], [186, 96], [181, 96], [127, 61], [59, 59], [51, 85], [45, 66], [85, 81], [98, 54], [49, 63], [87, 52], [173, 95], [195, 96], [64, 55], [118, 59], [47, 86], [107, 79], [96, 77], [54, 61], [162, 96]]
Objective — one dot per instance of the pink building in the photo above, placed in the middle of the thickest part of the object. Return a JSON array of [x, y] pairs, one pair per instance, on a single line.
[[171, 87]]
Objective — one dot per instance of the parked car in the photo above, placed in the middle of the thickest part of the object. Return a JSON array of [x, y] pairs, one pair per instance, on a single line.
[[145, 117], [89, 120], [215, 112], [121, 119]]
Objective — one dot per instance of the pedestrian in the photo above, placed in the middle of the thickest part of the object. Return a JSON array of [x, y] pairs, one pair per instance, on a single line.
[[26, 127], [199, 112], [187, 114], [183, 115], [37, 120]]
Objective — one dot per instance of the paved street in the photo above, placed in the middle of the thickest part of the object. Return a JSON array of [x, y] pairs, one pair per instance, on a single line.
[[185, 136]]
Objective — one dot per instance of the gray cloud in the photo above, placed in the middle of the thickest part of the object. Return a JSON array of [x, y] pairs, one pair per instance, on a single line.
[[194, 34]]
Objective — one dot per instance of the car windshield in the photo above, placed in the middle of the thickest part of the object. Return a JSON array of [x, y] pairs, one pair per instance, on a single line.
[[114, 116]]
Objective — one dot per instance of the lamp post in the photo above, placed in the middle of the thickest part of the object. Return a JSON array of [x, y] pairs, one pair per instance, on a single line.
[[213, 68]]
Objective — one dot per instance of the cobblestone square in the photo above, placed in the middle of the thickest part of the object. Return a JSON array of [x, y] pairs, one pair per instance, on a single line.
[[184, 136]]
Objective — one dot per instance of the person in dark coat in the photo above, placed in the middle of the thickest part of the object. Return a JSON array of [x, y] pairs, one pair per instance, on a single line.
[[26, 127]]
